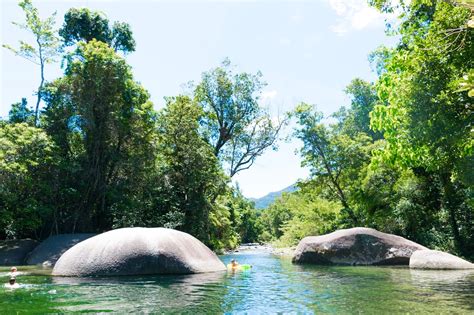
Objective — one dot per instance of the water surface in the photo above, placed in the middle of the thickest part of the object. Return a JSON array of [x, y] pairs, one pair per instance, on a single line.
[[273, 285]]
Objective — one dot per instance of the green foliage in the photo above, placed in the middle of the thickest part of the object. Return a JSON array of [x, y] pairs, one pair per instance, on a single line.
[[234, 220], [85, 25], [233, 122], [398, 159], [26, 157], [46, 47], [335, 158], [467, 83], [191, 171], [20, 113], [105, 159], [363, 99], [411, 172], [222, 219], [426, 119], [297, 215], [103, 122], [44, 33], [244, 217]]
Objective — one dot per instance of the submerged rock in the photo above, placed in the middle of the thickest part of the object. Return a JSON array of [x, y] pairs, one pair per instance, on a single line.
[[356, 246], [13, 252], [435, 259], [284, 251], [49, 251], [138, 251]]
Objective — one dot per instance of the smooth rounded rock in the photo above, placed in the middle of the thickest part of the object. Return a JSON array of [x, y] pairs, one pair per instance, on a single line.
[[356, 246], [435, 259], [138, 251], [49, 251], [14, 252]]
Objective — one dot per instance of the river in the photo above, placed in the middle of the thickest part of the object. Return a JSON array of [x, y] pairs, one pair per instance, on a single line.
[[273, 285]]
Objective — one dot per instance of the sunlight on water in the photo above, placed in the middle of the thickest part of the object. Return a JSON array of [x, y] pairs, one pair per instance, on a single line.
[[273, 285]]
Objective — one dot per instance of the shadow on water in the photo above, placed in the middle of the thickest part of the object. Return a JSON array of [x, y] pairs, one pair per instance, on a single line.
[[272, 285]]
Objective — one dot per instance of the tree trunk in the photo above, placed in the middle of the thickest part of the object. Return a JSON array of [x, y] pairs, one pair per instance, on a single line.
[[40, 88], [451, 203]]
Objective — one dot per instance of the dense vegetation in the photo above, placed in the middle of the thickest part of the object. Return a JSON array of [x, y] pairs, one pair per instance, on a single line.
[[98, 156], [400, 159]]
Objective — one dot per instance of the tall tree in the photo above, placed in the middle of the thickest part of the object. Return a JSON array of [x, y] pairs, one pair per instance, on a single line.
[[191, 173], [110, 118], [335, 159], [85, 25], [235, 124], [46, 46]]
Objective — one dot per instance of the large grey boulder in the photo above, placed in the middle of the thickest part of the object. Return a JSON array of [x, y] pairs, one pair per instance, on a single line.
[[356, 246], [13, 252], [138, 251], [435, 259], [49, 251]]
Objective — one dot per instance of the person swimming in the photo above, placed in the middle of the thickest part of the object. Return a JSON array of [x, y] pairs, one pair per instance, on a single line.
[[13, 272], [12, 284], [234, 264]]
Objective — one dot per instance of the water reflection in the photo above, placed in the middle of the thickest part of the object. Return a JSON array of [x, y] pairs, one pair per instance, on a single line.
[[144, 293], [441, 278]]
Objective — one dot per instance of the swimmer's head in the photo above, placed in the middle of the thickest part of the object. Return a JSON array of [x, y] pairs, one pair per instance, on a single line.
[[12, 281], [13, 269]]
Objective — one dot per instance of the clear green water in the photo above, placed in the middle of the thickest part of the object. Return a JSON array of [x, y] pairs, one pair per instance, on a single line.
[[273, 285]]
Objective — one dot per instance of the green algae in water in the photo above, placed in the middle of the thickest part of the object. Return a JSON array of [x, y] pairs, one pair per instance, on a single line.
[[273, 285]]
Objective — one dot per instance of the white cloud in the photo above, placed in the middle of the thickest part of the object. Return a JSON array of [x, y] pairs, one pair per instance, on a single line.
[[268, 95], [354, 15]]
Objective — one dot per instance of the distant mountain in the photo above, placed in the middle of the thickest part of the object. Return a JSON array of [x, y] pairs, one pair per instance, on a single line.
[[265, 201]]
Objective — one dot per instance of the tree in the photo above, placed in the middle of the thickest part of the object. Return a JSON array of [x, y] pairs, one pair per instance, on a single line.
[[335, 159], [46, 42], [363, 99], [234, 123], [426, 120], [299, 214], [20, 113], [105, 120], [244, 217], [26, 159], [85, 25], [191, 176]]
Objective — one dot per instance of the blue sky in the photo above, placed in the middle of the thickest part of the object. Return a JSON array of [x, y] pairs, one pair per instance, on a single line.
[[307, 51]]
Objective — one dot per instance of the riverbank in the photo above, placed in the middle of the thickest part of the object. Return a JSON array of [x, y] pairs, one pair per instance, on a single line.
[[259, 247]]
